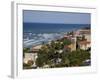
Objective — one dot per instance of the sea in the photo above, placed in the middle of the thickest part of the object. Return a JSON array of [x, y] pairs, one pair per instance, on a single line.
[[38, 33]]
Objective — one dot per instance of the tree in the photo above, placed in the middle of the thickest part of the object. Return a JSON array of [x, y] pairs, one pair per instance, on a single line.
[[77, 57], [66, 42], [26, 50], [52, 44], [39, 62], [49, 55], [42, 56]]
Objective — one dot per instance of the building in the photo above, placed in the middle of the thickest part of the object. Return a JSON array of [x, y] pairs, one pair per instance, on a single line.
[[81, 32], [88, 37], [30, 56], [84, 45], [72, 46], [85, 31], [85, 38]]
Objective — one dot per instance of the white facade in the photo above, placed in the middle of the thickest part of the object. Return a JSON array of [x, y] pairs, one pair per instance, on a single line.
[[84, 46], [88, 37], [30, 56]]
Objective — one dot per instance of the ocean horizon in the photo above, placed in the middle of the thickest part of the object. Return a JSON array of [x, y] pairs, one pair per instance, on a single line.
[[51, 27], [37, 33]]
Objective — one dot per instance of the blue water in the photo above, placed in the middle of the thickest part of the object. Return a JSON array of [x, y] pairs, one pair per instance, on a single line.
[[36, 33], [50, 28]]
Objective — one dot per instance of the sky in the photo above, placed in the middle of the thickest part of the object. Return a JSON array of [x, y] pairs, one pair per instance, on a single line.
[[31, 16]]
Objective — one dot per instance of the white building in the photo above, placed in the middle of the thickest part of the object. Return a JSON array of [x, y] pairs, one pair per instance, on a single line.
[[30, 56], [84, 45], [88, 37]]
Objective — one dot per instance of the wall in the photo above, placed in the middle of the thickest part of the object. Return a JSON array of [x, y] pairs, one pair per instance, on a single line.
[[5, 40]]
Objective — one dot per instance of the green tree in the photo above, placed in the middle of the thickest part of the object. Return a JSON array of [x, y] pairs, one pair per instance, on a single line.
[[77, 57], [66, 42], [42, 56], [25, 50]]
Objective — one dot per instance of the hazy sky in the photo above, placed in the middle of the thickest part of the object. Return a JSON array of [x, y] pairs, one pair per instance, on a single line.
[[56, 17]]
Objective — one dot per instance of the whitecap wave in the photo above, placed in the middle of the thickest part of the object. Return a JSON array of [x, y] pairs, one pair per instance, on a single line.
[[41, 38]]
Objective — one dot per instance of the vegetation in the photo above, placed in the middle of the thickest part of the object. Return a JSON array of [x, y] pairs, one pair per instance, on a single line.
[[77, 57], [66, 42], [50, 55], [25, 50]]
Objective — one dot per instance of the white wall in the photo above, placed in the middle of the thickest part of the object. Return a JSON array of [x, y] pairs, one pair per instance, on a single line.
[[5, 40]]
